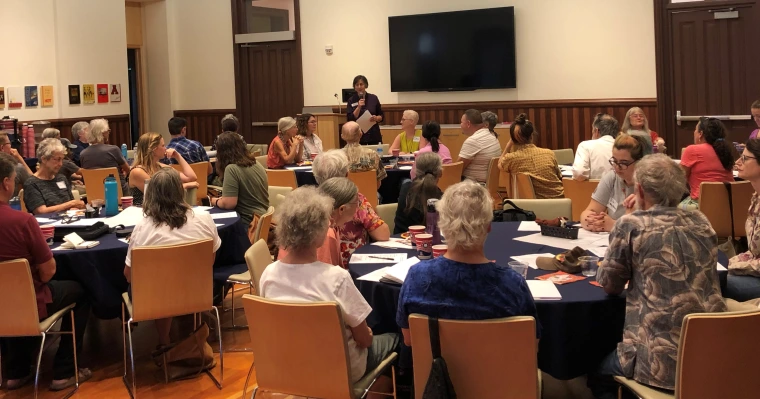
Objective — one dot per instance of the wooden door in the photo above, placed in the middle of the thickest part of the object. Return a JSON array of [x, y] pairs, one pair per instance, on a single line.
[[707, 63]]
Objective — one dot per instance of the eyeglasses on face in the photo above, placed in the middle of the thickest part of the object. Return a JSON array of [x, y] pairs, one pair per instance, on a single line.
[[744, 158], [621, 165]]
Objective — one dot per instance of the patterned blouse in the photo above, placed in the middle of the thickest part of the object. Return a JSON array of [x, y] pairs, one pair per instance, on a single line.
[[669, 255], [361, 159], [355, 233], [748, 263], [540, 164]]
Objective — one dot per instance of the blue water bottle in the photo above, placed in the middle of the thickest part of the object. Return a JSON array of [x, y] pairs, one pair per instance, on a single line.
[[112, 195], [124, 150], [15, 203], [380, 151]]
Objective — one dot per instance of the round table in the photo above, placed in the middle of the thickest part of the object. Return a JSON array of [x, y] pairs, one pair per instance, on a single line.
[[389, 187], [578, 331], [100, 270]]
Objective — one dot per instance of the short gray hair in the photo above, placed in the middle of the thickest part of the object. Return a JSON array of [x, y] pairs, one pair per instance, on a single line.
[[413, 115], [49, 147], [303, 219], [51, 133], [78, 127], [285, 123], [428, 162], [608, 126], [329, 164], [661, 179], [465, 214], [340, 189], [490, 119], [97, 128], [351, 132]]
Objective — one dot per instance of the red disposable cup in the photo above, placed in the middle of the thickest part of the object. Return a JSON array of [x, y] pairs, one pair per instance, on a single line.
[[314, 155], [395, 152], [424, 245], [413, 231], [126, 202], [47, 230], [439, 250]]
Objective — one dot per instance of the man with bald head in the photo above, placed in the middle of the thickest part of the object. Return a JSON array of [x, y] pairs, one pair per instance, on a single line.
[[360, 158]]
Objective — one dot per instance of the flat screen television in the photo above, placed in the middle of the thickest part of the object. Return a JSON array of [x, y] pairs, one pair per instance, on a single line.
[[449, 51]]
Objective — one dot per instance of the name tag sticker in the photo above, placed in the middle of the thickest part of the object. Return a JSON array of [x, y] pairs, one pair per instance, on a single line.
[[61, 185], [612, 205], [355, 104], [416, 139]]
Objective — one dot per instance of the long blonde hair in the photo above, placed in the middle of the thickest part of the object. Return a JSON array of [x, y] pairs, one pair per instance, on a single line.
[[627, 122], [147, 143]]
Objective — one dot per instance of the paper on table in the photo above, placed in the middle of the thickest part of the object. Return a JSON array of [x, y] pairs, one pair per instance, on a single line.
[[404, 168], [529, 226], [374, 276], [392, 244], [78, 223], [721, 267], [543, 290], [364, 123], [399, 271], [299, 167], [583, 241], [200, 208], [598, 251], [128, 217], [224, 215], [530, 260], [124, 240], [44, 220], [378, 258], [219, 224]]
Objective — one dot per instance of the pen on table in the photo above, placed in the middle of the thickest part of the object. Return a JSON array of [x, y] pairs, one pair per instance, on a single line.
[[380, 257]]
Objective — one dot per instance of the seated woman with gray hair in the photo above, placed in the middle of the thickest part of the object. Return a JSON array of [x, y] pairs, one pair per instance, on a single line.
[[48, 190], [303, 221], [366, 223], [99, 154], [287, 147], [464, 284], [410, 139], [413, 197]]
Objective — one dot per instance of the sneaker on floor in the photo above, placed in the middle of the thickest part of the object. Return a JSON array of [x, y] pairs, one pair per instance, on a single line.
[[16, 384], [84, 375]]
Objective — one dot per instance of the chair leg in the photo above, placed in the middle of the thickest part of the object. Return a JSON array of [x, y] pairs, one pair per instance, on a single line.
[[248, 378], [219, 382], [131, 386], [253, 395], [74, 342], [37, 370]]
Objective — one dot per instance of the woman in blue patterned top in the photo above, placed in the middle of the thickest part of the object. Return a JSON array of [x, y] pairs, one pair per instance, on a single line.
[[463, 284]]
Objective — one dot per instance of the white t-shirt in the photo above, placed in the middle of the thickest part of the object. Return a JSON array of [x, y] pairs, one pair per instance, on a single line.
[[319, 281], [593, 157], [479, 148], [198, 227]]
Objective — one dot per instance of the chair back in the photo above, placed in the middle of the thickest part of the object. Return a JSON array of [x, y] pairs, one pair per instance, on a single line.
[[21, 199], [452, 174], [201, 172], [492, 182], [374, 147], [172, 280], [580, 192], [564, 156], [367, 183], [523, 186], [257, 258], [18, 301], [741, 192], [294, 360], [282, 178], [191, 196], [486, 358], [274, 191], [93, 182], [716, 368], [262, 160], [546, 208], [387, 213], [713, 203], [262, 229]]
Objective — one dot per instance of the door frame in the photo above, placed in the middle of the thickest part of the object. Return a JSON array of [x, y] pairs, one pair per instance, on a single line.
[[142, 98], [666, 107], [244, 114]]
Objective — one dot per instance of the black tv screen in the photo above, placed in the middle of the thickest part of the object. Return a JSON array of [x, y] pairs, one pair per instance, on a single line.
[[461, 50]]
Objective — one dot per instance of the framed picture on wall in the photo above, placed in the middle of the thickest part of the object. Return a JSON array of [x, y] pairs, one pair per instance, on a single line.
[[47, 96], [15, 97], [102, 93], [88, 94], [116, 93], [74, 95], [2, 97], [32, 96]]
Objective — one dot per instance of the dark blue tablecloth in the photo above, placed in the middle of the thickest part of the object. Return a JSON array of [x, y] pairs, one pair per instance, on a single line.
[[577, 331], [389, 187], [101, 269]]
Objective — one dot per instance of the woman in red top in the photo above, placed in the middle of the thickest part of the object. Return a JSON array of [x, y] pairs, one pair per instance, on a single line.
[[709, 159], [287, 147], [635, 119]]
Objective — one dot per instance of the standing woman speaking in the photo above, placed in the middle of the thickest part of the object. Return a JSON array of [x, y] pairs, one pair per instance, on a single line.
[[361, 102]]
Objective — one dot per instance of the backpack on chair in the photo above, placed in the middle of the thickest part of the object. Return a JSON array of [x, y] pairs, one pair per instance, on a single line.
[[516, 214], [439, 384]]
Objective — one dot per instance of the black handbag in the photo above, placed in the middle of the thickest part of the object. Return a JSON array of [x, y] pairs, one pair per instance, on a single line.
[[516, 214], [88, 233], [438, 385]]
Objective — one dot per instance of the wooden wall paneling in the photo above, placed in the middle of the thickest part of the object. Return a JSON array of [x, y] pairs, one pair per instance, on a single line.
[[204, 125]]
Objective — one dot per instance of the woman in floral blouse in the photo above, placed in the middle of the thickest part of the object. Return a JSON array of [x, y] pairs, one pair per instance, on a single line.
[[744, 269]]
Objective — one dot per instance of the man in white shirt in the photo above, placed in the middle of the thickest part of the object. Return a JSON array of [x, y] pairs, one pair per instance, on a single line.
[[592, 159], [479, 148]]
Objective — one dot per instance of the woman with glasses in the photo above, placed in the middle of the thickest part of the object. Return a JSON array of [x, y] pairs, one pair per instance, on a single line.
[[410, 139], [744, 269], [307, 127], [709, 159], [608, 202], [48, 190], [636, 123]]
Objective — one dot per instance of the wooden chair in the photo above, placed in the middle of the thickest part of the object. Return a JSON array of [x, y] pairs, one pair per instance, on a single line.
[[201, 173], [262, 160], [257, 258], [274, 191], [580, 192], [262, 228], [93, 182], [486, 359], [282, 178], [523, 186], [564, 156], [367, 183], [18, 311], [712, 368], [492, 183], [21, 200], [452, 174], [546, 208], [189, 269], [311, 362], [713, 203], [387, 213], [741, 192]]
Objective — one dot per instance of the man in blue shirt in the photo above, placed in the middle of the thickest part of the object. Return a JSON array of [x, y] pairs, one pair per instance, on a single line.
[[79, 134], [191, 150]]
